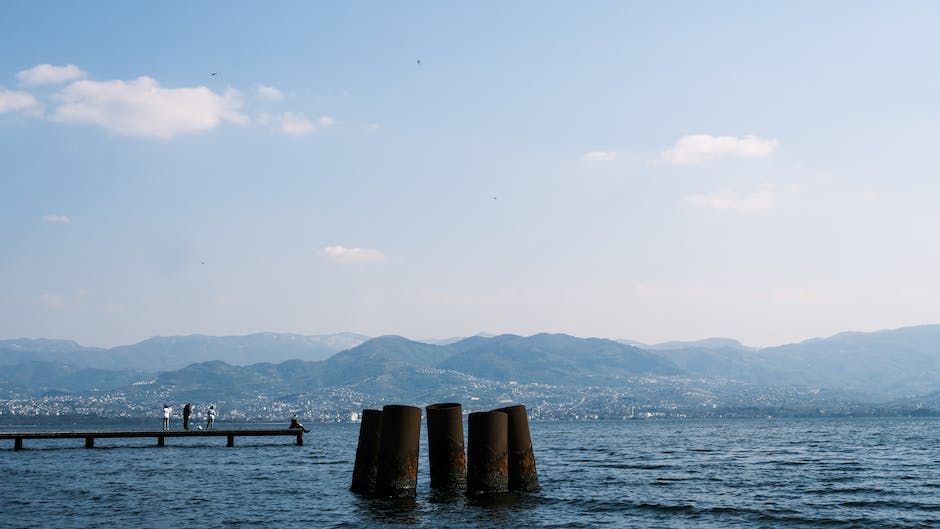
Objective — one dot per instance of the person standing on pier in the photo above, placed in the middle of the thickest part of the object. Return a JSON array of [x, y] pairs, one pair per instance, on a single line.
[[167, 410], [187, 411], [210, 415]]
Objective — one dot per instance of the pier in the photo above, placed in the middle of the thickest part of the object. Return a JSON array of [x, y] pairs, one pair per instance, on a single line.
[[159, 435]]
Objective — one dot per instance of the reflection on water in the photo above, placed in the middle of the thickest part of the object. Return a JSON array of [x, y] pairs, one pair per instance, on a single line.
[[399, 511]]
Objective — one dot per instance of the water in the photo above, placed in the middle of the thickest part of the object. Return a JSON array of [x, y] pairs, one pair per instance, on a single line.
[[704, 474]]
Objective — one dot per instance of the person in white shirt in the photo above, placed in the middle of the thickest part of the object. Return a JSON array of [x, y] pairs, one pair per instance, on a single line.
[[210, 415], [167, 410]]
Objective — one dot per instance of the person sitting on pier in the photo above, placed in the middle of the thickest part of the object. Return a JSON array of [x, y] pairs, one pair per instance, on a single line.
[[167, 410], [210, 415], [294, 423]]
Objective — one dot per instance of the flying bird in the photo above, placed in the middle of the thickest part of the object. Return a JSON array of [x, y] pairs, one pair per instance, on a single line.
[[419, 61], [215, 74]]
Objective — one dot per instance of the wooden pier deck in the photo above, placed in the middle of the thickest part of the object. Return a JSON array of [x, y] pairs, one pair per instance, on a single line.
[[159, 435]]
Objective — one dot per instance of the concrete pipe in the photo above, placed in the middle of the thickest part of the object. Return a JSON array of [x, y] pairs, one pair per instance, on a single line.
[[522, 473], [487, 453], [367, 452], [448, 463], [398, 452]]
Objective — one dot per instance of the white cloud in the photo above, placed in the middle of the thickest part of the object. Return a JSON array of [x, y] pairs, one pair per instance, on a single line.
[[49, 74], [11, 101], [270, 92], [703, 147], [600, 156], [342, 254], [142, 107], [296, 125], [58, 219], [733, 201]]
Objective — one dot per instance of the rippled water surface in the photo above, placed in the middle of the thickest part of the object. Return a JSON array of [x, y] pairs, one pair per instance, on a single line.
[[770, 473]]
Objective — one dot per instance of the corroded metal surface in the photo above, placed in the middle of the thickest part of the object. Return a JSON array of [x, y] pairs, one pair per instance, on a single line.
[[367, 452], [398, 451], [523, 475], [488, 454], [448, 463]]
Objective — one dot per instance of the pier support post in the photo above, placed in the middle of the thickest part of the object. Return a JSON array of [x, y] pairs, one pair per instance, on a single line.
[[231, 441], [448, 462], [367, 452], [18, 443], [487, 453], [300, 439], [398, 451], [89, 442], [160, 441], [522, 473]]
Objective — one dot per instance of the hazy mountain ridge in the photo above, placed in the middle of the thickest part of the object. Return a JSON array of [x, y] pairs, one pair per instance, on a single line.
[[166, 353], [880, 366]]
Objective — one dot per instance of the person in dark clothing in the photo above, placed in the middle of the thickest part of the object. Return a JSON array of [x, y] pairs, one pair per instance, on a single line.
[[295, 424], [187, 411]]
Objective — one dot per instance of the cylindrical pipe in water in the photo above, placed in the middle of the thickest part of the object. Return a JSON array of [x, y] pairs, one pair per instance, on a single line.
[[487, 453], [522, 473], [448, 462], [367, 452], [398, 452]]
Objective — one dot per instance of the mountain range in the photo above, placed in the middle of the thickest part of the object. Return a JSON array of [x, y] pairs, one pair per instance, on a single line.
[[876, 366]]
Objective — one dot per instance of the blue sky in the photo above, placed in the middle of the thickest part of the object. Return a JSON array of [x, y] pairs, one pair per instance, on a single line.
[[658, 171]]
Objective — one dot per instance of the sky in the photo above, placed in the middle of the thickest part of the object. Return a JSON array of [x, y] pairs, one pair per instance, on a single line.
[[648, 171]]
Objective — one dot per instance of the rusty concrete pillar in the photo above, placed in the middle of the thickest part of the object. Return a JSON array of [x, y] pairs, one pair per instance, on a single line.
[[367, 452], [487, 453], [398, 451], [522, 473], [448, 462]]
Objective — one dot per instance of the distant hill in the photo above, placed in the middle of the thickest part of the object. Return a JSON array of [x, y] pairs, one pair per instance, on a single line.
[[45, 378], [880, 366], [393, 365], [174, 352], [891, 363], [42, 350], [883, 365], [552, 359]]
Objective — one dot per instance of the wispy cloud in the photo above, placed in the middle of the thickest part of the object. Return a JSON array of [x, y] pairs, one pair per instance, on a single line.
[[295, 124], [726, 200], [699, 148], [49, 74], [270, 92], [600, 156], [342, 254], [56, 219], [142, 107], [12, 101]]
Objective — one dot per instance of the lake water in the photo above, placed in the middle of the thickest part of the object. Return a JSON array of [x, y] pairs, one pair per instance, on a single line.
[[770, 473]]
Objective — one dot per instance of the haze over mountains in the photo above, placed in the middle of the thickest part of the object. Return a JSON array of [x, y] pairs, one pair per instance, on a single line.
[[874, 367]]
